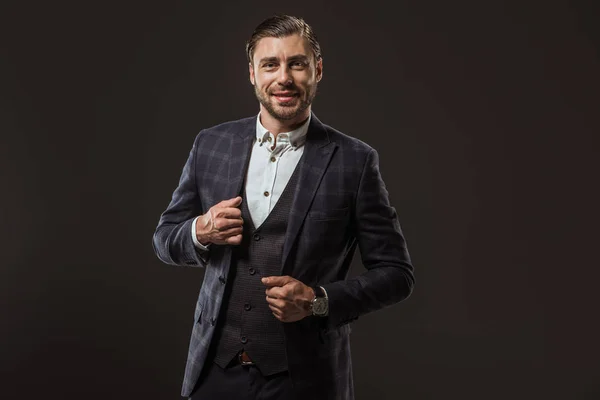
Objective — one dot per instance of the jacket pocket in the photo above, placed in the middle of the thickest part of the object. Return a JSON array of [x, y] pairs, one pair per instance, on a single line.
[[328, 214]]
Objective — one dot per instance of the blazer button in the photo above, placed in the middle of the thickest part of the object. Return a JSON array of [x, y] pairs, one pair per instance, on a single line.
[[247, 307], [257, 237], [222, 279], [252, 271], [244, 339]]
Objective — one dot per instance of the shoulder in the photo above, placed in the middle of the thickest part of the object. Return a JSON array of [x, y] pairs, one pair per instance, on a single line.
[[228, 129], [348, 143], [347, 140]]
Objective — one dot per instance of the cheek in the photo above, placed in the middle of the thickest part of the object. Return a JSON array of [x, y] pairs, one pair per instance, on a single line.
[[262, 84], [305, 81]]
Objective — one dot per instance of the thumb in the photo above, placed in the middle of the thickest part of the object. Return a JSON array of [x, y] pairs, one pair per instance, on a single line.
[[276, 280], [234, 202]]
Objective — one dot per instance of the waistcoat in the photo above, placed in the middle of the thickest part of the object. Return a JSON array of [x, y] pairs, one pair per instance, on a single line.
[[246, 322]]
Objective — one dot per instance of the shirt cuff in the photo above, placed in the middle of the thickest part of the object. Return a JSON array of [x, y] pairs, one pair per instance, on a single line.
[[198, 245]]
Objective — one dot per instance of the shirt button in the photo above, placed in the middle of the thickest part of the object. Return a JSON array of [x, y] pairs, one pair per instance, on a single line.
[[252, 271], [266, 194], [273, 159], [257, 237], [243, 339], [247, 307], [269, 138]]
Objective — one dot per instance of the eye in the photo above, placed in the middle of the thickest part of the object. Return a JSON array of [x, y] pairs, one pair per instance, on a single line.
[[269, 65], [298, 65]]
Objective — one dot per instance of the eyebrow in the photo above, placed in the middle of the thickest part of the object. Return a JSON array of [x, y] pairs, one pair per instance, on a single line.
[[297, 57]]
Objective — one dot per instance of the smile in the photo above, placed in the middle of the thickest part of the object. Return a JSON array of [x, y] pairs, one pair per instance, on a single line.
[[283, 97]]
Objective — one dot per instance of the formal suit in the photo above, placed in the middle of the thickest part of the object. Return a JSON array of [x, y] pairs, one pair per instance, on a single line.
[[340, 202]]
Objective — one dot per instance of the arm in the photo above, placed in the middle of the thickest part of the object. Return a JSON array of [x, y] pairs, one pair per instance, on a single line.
[[389, 277], [173, 239]]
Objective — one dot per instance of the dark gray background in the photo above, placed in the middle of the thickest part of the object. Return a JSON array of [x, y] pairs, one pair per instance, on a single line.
[[484, 114]]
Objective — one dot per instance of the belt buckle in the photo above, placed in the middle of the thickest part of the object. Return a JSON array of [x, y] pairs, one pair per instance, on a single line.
[[244, 362]]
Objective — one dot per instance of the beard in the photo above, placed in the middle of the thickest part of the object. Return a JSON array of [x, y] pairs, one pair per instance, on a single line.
[[289, 111]]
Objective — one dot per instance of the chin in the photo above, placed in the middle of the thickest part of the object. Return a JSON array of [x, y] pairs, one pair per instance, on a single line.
[[286, 109]]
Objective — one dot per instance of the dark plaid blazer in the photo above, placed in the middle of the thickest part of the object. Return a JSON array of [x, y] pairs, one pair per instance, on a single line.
[[340, 202]]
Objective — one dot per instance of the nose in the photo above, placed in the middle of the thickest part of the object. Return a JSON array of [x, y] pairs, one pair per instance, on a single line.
[[284, 78]]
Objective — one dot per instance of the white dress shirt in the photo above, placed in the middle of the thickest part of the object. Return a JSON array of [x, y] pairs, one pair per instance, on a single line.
[[272, 163]]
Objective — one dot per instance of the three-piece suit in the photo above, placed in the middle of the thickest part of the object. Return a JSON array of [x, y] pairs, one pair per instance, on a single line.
[[337, 201]]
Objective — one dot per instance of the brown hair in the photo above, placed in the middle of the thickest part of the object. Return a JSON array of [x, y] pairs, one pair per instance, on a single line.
[[280, 26]]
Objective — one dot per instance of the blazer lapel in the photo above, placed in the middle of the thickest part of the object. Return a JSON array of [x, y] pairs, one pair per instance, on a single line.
[[313, 164], [241, 147]]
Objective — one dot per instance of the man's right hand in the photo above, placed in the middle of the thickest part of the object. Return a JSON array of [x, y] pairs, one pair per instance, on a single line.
[[222, 224]]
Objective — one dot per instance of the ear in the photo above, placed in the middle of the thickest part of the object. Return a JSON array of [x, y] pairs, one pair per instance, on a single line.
[[319, 70], [251, 71]]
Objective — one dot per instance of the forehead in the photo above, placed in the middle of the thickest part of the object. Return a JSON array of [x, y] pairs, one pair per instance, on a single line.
[[281, 47]]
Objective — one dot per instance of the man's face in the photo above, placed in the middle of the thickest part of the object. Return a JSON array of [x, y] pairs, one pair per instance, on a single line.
[[285, 76]]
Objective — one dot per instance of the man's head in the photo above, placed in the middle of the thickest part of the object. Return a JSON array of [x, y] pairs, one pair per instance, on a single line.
[[285, 66]]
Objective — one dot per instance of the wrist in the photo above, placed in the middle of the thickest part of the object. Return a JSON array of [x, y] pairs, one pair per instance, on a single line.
[[200, 236], [309, 302], [320, 302], [200, 241]]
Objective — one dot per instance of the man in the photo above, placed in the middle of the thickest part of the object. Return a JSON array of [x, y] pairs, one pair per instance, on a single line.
[[273, 207]]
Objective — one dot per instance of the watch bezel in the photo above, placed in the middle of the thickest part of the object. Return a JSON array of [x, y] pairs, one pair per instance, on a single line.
[[320, 304]]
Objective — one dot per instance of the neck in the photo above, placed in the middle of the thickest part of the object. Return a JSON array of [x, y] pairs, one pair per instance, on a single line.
[[276, 126]]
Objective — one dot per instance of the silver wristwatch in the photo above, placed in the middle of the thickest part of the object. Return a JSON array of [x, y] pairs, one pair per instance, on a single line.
[[320, 304]]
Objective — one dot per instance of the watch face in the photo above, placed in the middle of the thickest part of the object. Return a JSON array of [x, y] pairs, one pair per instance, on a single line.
[[320, 306]]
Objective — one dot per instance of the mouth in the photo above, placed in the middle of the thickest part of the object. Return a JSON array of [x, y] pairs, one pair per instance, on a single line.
[[284, 96]]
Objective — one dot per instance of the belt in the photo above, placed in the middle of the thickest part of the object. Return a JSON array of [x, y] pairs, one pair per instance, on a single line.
[[244, 358]]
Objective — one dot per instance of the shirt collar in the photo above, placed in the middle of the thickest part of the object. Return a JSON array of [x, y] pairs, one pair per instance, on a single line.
[[297, 137]]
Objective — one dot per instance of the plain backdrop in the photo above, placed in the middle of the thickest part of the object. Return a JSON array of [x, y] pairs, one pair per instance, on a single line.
[[485, 117]]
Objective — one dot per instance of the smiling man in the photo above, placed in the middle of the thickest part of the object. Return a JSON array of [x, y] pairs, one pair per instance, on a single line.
[[273, 207]]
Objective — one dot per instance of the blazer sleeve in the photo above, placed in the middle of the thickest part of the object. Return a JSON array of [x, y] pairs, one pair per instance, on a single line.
[[172, 241], [389, 277]]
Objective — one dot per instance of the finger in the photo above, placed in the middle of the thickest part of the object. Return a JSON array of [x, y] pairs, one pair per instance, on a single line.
[[275, 292], [234, 240], [222, 235], [277, 313], [227, 212], [276, 280], [234, 202], [222, 224], [278, 317], [276, 303]]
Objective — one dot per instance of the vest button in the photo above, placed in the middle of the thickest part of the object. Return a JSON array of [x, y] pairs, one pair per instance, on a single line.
[[222, 279], [252, 271], [266, 194], [213, 320], [244, 339], [247, 306], [257, 237], [273, 159]]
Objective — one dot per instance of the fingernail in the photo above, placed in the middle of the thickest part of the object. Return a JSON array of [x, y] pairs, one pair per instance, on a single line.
[[264, 280]]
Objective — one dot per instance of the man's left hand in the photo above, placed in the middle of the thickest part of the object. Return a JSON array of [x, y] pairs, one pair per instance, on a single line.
[[288, 298]]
